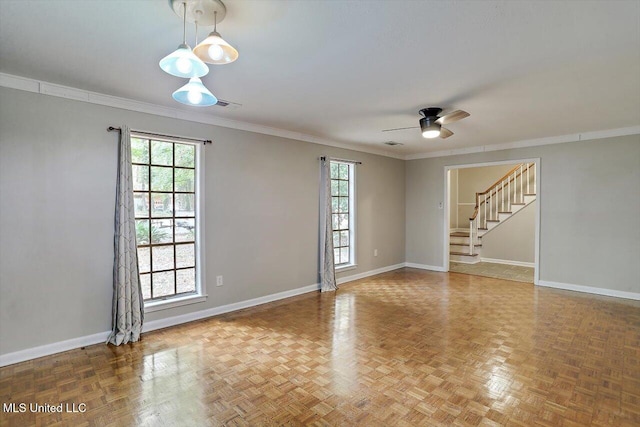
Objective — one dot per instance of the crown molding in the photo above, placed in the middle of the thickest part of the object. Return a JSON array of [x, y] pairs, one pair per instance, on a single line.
[[585, 136], [51, 89]]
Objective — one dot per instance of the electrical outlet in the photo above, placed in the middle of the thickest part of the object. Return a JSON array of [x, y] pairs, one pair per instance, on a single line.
[[440, 206], [375, 252], [219, 281]]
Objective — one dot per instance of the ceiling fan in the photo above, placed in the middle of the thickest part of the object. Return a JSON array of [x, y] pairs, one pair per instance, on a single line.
[[431, 123]]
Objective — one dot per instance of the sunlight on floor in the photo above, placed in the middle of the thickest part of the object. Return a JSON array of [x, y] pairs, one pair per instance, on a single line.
[[499, 271]]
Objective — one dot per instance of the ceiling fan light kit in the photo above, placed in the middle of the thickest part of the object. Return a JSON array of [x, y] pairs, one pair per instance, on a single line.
[[431, 122], [187, 63], [430, 129]]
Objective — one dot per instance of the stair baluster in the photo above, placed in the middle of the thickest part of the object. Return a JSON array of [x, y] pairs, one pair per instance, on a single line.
[[490, 205], [485, 210], [509, 196], [521, 192], [476, 225]]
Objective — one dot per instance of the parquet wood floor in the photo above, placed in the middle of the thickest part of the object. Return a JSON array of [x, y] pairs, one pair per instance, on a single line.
[[405, 348]]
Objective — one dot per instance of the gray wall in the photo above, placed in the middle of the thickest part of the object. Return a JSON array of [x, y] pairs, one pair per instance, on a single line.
[[587, 237], [476, 180], [513, 240], [57, 193]]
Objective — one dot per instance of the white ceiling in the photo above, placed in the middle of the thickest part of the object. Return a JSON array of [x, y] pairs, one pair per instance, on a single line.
[[345, 70]]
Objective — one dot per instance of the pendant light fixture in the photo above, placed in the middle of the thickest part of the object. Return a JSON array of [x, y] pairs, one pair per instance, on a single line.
[[182, 62], [195, 93], [214, 49], [185, 63]]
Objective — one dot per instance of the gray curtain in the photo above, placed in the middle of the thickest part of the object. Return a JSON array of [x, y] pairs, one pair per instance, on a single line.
[[327, 269], [128, 304]]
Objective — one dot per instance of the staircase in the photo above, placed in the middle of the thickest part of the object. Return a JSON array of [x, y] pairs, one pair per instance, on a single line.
[[505, 198]]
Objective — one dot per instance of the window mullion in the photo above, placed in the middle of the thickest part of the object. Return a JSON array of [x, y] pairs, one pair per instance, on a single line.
[[149, 222], [173, 214]]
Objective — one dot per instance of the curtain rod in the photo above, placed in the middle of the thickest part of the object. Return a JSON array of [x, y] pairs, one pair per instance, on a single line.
[[159, 135], [341, 160]]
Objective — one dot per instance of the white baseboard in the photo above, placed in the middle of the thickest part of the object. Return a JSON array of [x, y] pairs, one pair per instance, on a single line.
[[508, 262], [369, 273], [425, 267], [590, 290], [58, 347]]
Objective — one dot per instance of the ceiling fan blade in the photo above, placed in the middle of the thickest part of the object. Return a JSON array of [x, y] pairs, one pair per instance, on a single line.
[[453, 116], [445, 133], [392, 130]]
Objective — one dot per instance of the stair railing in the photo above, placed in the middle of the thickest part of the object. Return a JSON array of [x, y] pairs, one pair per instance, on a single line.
[[489, 205]]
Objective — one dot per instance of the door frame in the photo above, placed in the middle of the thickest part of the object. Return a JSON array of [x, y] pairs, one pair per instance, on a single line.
[[447, 207]]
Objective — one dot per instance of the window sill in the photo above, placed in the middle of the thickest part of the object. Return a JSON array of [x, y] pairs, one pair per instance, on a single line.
[[346, 268], [150, 307]]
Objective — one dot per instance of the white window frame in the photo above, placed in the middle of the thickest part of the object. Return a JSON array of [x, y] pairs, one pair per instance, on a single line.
[[200, 295], [352, 217]]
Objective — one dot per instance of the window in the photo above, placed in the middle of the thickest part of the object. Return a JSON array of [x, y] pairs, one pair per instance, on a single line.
[[165, 183], [342, 213]]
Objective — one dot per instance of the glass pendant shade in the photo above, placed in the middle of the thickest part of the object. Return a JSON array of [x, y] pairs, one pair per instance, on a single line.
[[430, 129], [195, 93], [183, 63], [215, 50]]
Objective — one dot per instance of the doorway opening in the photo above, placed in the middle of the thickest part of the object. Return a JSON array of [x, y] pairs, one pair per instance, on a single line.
[[492, 219]]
